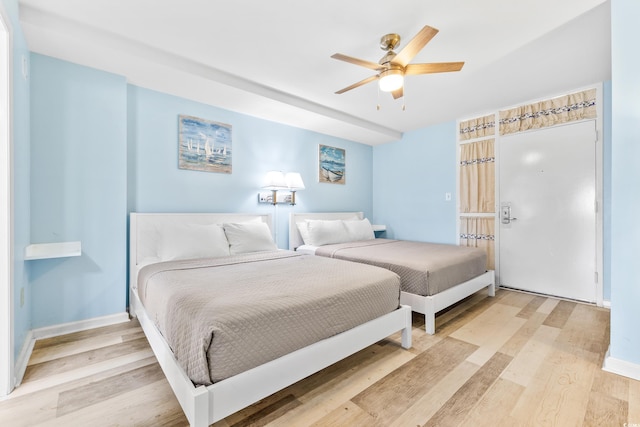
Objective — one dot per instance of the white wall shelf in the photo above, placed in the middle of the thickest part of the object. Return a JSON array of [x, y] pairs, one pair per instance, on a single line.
[[378, 227], [52, 250]]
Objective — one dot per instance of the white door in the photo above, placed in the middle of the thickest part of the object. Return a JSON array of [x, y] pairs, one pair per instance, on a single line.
[[547, 212]]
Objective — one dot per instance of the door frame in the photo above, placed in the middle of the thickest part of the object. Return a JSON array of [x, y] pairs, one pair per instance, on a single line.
[[599, 180], [7, 381]]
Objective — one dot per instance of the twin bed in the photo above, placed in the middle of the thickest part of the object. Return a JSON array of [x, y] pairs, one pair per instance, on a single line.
[[433, 276], [232, 319]]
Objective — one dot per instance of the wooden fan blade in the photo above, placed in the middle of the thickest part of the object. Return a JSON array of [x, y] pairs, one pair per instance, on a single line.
[[399, 93], [360, 83], [416, 44], [356, 61], [436, 67]]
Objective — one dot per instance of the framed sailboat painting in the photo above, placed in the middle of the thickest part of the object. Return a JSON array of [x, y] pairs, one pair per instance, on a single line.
[[204, 145], [331, 164]]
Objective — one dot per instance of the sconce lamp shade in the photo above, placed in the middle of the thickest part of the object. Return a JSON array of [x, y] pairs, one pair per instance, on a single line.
[[275, 181], [294, 181]]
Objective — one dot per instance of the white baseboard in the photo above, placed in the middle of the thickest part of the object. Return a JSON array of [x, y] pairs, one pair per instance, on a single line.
[[53, 331], [621, 367], [23, 358], [80, 325], [606, 304]]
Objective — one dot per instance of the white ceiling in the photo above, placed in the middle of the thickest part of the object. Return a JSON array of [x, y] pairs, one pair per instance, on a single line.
[[271, 59]]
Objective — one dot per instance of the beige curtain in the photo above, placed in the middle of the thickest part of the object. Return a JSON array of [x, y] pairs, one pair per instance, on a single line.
[[478, 232], [478, 127], [477, 177], [575, 106]]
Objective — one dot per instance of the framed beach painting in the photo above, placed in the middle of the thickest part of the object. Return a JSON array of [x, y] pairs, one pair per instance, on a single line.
[[204, 145], [331, 164]]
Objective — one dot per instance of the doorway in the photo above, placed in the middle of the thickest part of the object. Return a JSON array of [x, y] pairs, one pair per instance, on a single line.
[[6, 240], [547, 211]]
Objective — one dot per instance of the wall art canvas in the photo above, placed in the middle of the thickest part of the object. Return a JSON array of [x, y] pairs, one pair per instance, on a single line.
[[331, 164], [204, 145]]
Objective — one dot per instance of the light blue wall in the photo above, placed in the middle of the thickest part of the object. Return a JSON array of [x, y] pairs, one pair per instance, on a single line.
[[78, 190], [410, 180], [157, 185], [21, 159], [625, 182]]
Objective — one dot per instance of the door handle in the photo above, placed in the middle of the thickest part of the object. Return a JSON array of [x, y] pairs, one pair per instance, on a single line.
[[505, 214]]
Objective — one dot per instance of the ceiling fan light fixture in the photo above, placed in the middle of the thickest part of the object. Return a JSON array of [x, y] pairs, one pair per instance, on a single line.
[[391, 80]]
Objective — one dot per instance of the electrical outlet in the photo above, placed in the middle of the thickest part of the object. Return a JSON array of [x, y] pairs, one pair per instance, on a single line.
[[447, 197], [265, 197], [25, 68]]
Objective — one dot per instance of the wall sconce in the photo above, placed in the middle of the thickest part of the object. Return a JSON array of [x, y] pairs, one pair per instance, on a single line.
[[294, 183], [277, 181], [274, 181]]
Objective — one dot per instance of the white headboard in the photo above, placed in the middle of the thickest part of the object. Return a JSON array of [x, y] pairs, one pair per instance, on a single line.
[[145, 230], [295, 239]]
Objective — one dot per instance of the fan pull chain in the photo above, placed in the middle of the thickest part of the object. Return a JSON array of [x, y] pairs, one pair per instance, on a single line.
[[378, 103], [404, 97]]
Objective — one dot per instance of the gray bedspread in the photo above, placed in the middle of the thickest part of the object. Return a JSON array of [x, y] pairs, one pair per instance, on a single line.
[[222, 316], [424, 268]]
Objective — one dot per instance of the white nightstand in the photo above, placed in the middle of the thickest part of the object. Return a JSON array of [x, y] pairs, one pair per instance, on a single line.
[[378, 227]]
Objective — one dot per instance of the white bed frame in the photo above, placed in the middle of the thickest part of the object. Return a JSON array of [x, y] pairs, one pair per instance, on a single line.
[[204, 405], [427, 305]]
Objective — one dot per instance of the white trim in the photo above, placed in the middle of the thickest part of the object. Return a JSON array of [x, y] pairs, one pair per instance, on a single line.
[[23, 358], [477, 214], [600, 194], [80, 325], [7, 380], [606, 304], [620, 367]]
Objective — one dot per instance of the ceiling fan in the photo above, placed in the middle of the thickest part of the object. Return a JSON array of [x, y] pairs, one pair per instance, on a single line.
[[394, 66]]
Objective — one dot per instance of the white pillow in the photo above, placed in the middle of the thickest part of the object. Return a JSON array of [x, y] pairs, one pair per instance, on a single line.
[[246, 237], [326, 232], [359, 230], [303, 228], [187, 241]]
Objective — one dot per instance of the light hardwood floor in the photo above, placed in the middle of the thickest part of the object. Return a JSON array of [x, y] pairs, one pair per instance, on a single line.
[[516, 359]]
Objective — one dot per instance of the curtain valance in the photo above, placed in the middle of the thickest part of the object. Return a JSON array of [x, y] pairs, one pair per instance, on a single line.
[[478, 127], [567, 108]]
